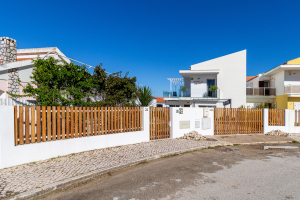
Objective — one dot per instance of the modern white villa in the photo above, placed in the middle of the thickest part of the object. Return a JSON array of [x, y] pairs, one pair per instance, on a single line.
[[279, 86], [227, 73]]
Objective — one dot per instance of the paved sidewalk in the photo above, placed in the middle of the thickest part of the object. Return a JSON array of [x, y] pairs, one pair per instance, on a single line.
[[26, 177]]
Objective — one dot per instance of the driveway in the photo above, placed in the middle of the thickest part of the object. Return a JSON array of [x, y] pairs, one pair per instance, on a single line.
[[231, 172]]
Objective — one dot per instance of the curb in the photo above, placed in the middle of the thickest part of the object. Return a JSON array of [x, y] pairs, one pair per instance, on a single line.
[[51, 187], [271, 142]]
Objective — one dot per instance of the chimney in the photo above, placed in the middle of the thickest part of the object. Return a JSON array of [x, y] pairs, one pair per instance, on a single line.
[[8, 52]]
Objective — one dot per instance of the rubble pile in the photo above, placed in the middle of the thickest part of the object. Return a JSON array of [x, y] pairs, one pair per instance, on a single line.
[[193, 135], [278, 133]]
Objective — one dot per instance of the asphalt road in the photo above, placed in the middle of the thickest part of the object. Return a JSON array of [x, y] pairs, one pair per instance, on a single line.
[[239, 172]]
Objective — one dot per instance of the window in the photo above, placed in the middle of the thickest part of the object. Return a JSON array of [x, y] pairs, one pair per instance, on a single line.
[[210, 82], [159, 105]]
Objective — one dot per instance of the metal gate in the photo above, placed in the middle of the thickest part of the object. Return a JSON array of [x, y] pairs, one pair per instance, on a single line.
[[159, 123], [238, 121]]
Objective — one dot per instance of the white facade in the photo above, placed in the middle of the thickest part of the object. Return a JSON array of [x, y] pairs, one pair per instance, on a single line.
[[227, 73], [284, 79]]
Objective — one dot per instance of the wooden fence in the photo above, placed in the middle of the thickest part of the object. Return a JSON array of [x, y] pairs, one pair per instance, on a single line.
[[276, 117], [238, 121], [159, 123], [43, 123]]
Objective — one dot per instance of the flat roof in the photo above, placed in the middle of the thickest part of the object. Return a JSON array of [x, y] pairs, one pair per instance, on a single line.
[[186, 73]]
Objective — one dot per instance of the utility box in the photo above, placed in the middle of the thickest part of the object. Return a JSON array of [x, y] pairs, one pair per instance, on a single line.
[[206, 112], [206, 123]]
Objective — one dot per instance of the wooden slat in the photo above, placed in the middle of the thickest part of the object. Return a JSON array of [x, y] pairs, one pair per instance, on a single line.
[[53, 123], [95, 120], [105, 120], [129, 119], [38, 124], [108, 120], [113, 120], [44, 120], [32, 124], [134, 118], [102, 121], [48, 123], [126, 119], [84, 131], [21, 136], [76, 121], [157, 121], [27, 140], [58, 123], [121, 119], [87, 121], [100, 128], [72, 122], [117, 119], [81, 122], [67, 122], [63, 122]]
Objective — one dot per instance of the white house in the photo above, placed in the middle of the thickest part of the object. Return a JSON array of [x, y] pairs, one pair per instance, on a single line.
[[227, 73], [279, 86], [17, 64]]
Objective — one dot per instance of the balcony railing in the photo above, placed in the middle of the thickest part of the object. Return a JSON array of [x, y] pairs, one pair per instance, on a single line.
[[292, 89], [261, 91], [176, 94], [179, 93]]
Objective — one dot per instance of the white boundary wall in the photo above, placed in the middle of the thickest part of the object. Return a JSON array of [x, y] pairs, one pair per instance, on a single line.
[[289, 123], [11, 155], [190, 114]]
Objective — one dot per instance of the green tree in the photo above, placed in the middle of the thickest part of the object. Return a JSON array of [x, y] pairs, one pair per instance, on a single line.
[[113, 90], [56, 83], [145, 96]]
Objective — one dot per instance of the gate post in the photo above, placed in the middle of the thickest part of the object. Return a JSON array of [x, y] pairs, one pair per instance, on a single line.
[[145, 118]]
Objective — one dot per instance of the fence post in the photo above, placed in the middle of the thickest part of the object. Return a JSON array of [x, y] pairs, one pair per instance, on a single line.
[[146, 121], [265, 120]]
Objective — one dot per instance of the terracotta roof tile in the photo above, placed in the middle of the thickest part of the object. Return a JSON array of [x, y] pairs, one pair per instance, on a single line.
[[249, 78], [20, 59], [160, 99]]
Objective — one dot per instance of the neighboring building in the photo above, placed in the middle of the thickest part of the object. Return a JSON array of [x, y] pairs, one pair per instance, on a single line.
[[152, 103], [226, 72], [160, 102], [280, 86], [17, 64]]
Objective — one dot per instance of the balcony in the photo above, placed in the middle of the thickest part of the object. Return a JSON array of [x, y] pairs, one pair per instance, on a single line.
[[261, 91], [180, 94], [292, 89]]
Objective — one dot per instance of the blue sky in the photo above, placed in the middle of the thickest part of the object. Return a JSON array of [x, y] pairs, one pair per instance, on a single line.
[[155, 39]]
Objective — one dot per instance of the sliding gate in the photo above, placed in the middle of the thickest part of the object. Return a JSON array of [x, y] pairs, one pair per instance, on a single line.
[[159, 123], [238, 121]]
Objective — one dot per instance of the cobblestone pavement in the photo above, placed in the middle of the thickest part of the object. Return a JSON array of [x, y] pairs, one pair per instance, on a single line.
[[295, 136], [25, 177]]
